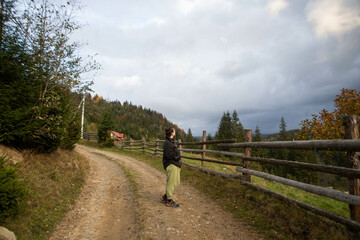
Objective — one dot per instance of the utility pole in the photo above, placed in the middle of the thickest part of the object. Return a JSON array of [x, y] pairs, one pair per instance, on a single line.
[[82, 117]]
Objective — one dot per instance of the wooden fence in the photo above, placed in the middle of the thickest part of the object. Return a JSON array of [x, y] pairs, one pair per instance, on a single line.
[[91, 136], [351, 145]]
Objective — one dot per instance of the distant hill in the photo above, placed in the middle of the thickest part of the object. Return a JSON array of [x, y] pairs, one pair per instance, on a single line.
[[274, 136], [132, 120]]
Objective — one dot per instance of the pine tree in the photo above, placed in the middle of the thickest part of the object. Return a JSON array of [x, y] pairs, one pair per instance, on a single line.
[[279, 153], [282, 153], [225, 130], [189, 136], [257, 136], [7, 12], [237, 127], [283, 136], [17, 93], [257, 152], [106, 125]]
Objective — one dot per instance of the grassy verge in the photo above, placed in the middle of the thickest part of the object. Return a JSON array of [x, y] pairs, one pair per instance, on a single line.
[[271, 217], [328, 204], [325, 203], [54, 182]]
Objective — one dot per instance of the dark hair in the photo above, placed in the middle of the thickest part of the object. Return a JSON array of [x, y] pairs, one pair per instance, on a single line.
[[169, 131]]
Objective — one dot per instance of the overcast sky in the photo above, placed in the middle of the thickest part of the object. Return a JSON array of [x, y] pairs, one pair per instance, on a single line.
[[192, 60]]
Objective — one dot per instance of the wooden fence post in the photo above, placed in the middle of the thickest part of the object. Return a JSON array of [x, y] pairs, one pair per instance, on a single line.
[[156, 146], [143, 144], [247, 153], [131, 140], [351, 124], [180, 146], [204, 148]]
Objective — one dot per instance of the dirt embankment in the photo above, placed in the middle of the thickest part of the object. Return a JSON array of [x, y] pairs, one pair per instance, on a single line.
[[108, 208]]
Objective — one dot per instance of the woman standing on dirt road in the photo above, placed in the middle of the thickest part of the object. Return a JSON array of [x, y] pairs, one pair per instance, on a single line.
[[172, 165]]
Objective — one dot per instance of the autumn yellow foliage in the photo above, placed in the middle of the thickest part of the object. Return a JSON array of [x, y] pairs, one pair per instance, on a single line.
[[329, 125]]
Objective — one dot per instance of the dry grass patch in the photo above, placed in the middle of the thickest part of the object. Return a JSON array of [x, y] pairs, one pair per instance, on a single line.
[[54, 182]]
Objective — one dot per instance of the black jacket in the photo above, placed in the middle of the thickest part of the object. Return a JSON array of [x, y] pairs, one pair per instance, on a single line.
[[171, 153]]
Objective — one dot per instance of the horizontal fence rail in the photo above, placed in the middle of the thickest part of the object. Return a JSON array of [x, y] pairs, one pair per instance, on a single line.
[[335, 217], [337, 195], [340, 171], [214, 152], [203, 142], [134, 141], [209, 142], [335, 145], [226, 175], [91, 136], [215, 161]]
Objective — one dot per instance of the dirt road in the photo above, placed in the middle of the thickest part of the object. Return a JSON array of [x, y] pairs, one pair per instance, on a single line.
[[109, 207]]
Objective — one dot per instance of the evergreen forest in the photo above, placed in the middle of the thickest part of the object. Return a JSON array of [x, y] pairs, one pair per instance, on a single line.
[[134, 121]]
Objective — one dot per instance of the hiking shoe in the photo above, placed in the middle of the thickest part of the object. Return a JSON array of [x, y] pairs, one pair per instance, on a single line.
[[171, 203], [164, 198]]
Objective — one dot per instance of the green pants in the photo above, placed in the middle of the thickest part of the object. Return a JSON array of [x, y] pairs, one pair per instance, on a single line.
[[173, 179]]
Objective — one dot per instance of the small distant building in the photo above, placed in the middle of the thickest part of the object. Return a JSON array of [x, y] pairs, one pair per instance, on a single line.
[[116, 136]]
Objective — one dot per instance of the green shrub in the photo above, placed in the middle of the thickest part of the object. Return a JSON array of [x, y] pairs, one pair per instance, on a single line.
[[72, 135], [12, 190]]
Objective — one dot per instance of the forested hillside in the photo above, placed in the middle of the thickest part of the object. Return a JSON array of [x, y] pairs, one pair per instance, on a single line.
[[132, 120]]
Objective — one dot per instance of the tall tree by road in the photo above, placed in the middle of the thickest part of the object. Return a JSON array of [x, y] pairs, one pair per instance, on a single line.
[[39, 72]]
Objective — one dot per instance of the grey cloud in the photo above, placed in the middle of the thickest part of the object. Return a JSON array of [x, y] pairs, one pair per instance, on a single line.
[[197, 64]]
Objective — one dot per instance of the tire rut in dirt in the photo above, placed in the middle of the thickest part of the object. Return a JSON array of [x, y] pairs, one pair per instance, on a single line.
[[105, 209]]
